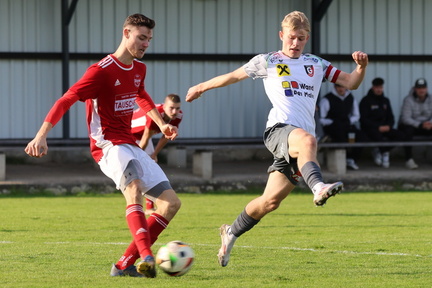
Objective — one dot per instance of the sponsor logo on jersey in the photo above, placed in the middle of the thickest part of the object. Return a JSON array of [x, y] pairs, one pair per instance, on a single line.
[[275, 57], [293, 88], [117, 83], [309, 70], [287, 88], [283, 70], [137, 80], [309, 57], [124, 104]]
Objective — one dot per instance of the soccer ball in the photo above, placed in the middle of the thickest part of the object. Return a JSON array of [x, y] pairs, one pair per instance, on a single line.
[[175, 258]]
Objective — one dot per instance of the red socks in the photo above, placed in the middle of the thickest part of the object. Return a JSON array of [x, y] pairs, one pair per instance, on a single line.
[[149, 204], [155, 224], [129, 257], [138, 227]]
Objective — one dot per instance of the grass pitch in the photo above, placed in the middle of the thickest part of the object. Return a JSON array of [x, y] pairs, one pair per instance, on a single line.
[[356, 240]]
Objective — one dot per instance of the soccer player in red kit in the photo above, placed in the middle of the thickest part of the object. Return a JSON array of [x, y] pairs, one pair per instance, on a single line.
[[143, 128], [110, 88]]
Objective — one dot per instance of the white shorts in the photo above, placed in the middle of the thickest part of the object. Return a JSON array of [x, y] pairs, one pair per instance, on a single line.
[[150, 147], [116, 158]]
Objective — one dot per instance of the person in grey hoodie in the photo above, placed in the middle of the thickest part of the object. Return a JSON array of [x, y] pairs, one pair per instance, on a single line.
[[416, 116]]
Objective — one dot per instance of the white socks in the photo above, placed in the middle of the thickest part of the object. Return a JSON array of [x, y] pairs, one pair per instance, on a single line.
[[317, 187]]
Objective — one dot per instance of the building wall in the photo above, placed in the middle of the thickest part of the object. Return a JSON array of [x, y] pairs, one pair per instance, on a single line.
[[29, 87], [381, 27]]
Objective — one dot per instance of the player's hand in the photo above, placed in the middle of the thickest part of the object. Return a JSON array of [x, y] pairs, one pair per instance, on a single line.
[[169, 131], [37, 147], [193, 93], [360, 58]]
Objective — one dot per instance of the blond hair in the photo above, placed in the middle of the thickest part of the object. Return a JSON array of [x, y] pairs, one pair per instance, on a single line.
[[296, 20]]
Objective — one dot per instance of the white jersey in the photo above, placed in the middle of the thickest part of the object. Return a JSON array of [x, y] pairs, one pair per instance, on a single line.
[[292, 86]]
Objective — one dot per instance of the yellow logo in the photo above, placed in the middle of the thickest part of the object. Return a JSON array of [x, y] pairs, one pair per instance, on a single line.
[[283, 70], [286, 84]]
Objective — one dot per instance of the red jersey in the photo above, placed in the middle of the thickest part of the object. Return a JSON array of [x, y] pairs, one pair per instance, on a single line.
[[109, 89], [140, 119]]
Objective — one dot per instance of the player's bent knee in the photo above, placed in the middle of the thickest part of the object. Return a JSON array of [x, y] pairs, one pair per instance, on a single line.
[[272, 205], [168, 206], [309, 141], [172, 201]]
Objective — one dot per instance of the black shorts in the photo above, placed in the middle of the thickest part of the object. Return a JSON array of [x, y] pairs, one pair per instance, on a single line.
[[276, 141]]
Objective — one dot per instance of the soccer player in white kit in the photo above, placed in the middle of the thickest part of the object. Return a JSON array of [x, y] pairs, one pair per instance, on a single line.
[[110, 88], [292, 81]]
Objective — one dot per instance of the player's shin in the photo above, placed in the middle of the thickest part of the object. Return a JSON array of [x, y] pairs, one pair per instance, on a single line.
[[139, 229]]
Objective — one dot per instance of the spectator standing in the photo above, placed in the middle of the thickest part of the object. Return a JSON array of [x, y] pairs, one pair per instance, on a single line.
[[339, 116], [377, 121], [416, 117]]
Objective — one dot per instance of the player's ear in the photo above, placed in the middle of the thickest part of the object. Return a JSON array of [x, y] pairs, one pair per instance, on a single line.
[[281, 35], [126, 32]]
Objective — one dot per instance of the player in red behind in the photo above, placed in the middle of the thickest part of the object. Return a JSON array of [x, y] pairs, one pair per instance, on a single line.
[[144, 128], [109, 89]]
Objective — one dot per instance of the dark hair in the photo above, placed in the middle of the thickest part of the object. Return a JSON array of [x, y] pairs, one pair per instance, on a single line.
[[139, 20], [377, 82], [173, 97]]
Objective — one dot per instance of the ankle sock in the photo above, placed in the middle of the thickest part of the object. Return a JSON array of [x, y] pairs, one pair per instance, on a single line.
[[312, 174], [129, 257], [242, 224]]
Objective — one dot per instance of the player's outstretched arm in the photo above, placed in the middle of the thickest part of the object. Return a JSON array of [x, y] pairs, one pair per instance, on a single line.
[[353, 80], [38, 146], [216, 82]]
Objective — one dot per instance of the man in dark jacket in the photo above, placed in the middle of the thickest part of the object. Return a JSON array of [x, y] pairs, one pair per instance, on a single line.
[[340, 114], [377, 121]]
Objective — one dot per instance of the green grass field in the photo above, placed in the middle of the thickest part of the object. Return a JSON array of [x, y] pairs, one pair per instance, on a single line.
[[357, 240]]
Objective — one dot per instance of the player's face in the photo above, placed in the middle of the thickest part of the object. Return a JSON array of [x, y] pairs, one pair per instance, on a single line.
[[138, 40], [293, 41], [171, 109]]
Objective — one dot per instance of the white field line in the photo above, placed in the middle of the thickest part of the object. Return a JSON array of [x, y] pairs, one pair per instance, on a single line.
[[324, 250], [249, 247]]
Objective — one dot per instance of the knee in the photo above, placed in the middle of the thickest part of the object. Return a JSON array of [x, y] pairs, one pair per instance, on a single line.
[[309, 141], [175, 204], [271, 205], [169, 205]]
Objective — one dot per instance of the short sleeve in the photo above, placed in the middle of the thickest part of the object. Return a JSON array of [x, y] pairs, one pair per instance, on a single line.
[[257, 66]]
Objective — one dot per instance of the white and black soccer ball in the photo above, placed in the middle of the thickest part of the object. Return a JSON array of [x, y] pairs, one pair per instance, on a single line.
[[175, 258]]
